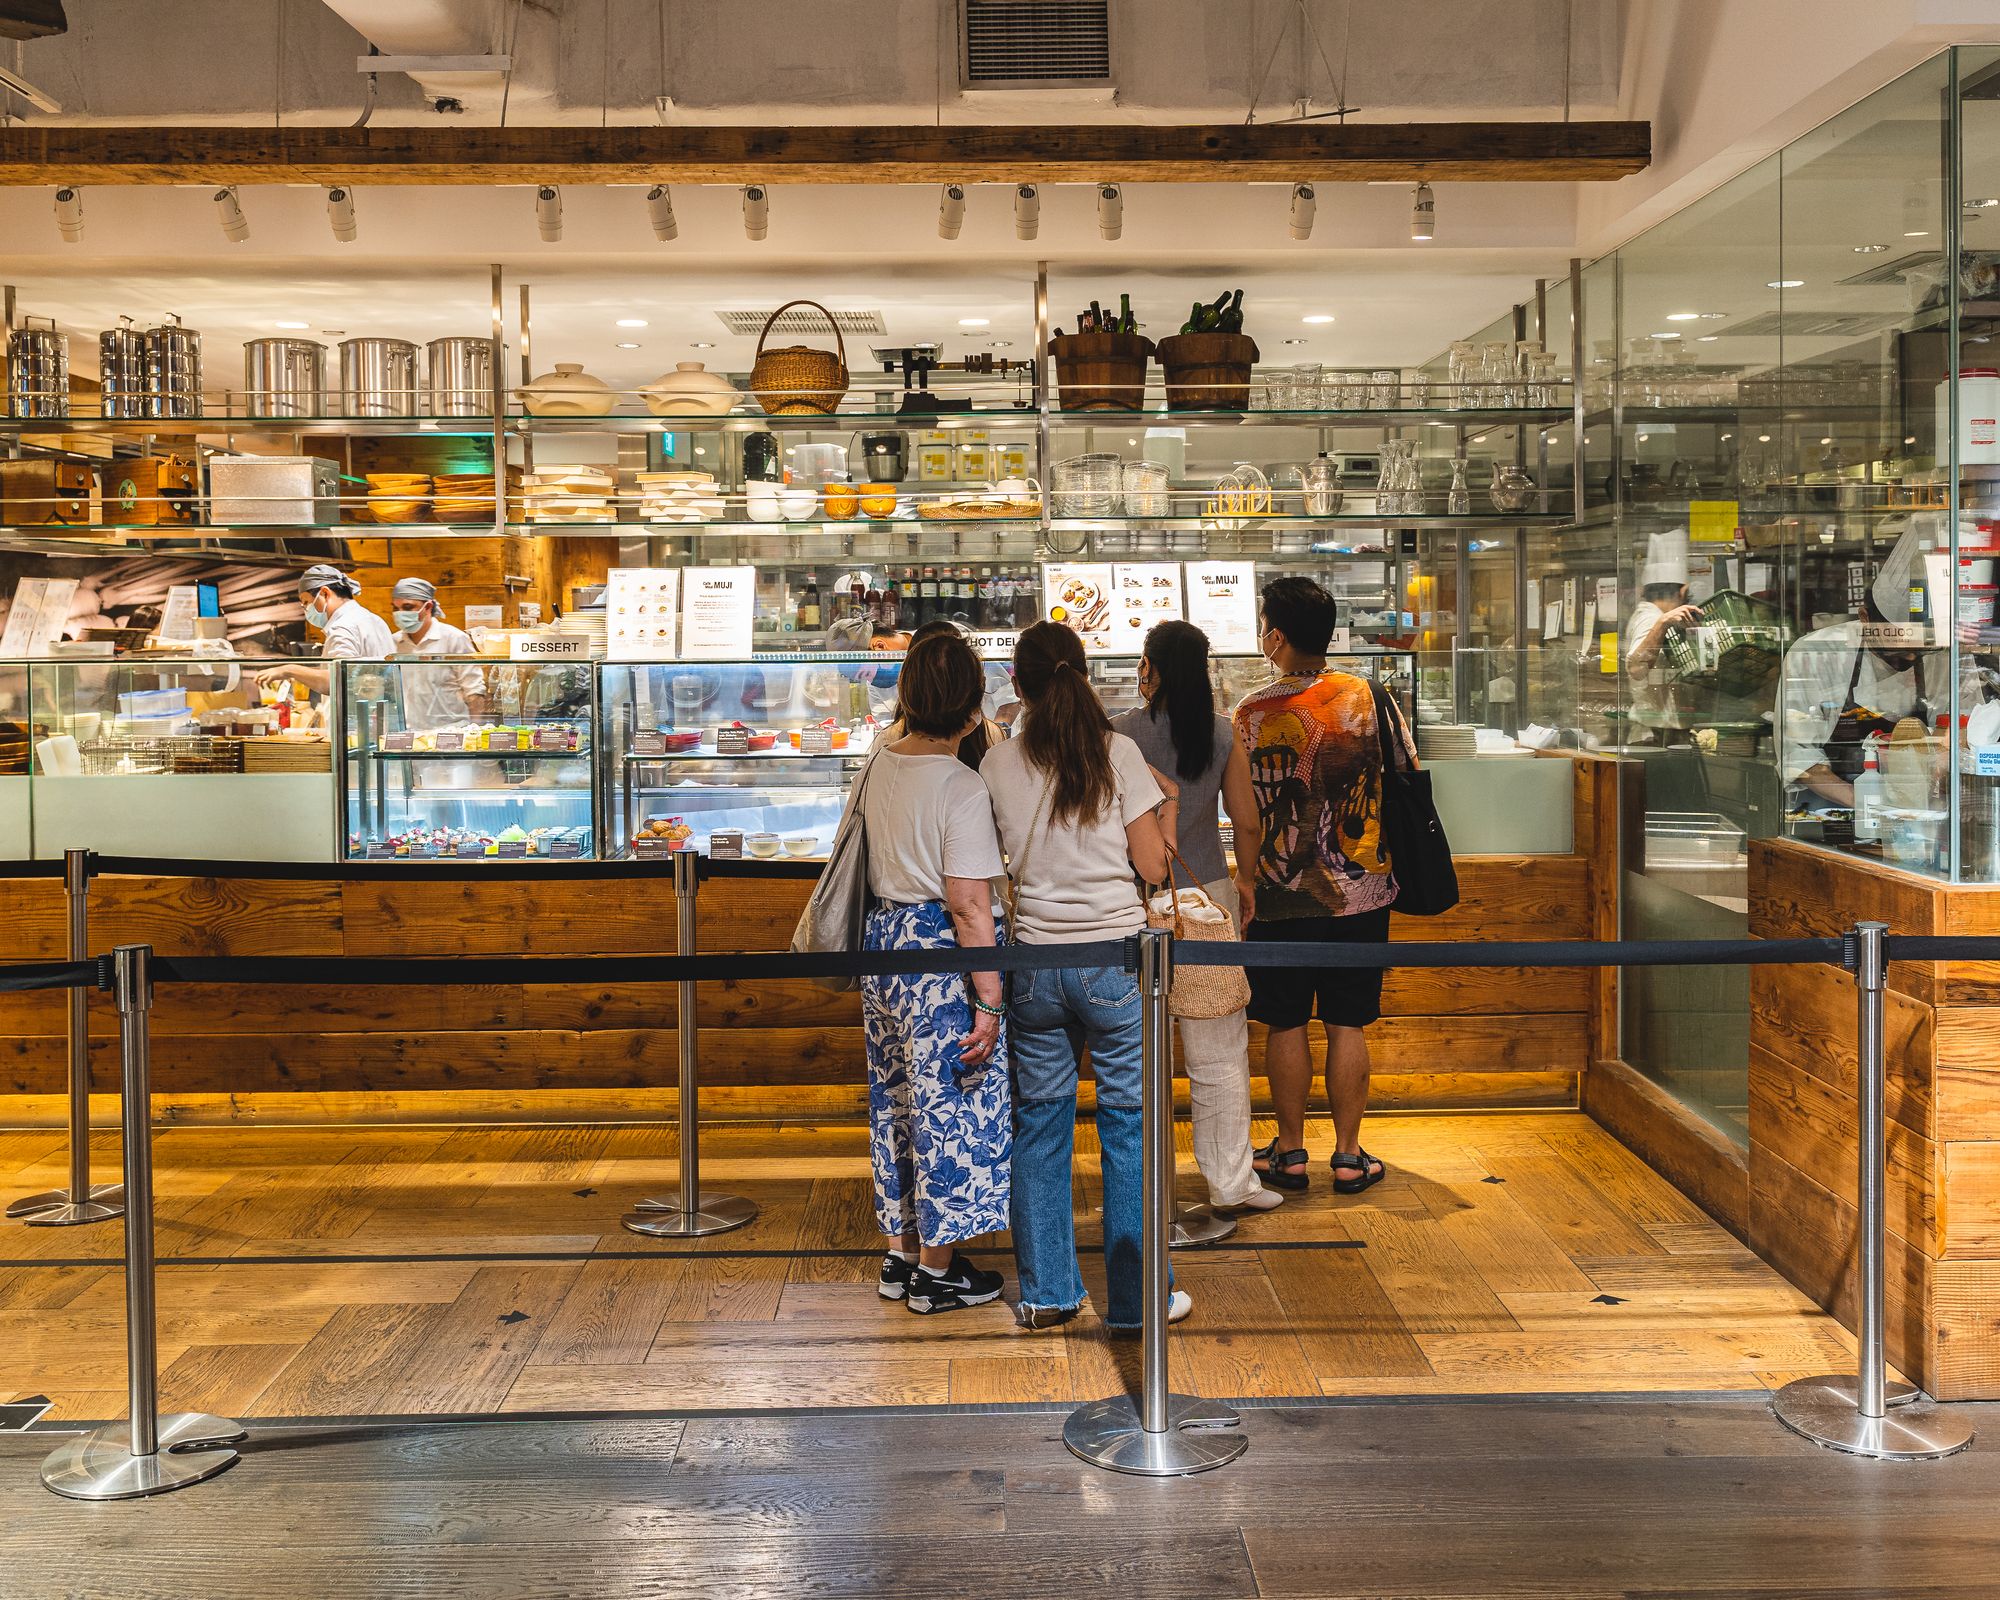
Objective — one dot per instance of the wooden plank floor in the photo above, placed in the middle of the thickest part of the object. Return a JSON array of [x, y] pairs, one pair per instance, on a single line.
[[1581, 1499], [339, 1272]]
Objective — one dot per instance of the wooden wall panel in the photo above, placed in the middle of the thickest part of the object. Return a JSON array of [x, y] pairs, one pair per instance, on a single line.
[[1800, 891], [1805, 1016]]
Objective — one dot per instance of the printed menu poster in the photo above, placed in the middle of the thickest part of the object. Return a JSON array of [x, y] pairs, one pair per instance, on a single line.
[[1222, 602], [1079, 595], [718, 605], [1145, 592], [642, 613]]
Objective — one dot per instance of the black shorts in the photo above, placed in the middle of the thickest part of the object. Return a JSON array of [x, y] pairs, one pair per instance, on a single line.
[[1346, 997]]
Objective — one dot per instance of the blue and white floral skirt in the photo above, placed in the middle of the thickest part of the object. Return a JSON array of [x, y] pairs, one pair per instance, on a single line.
[[941, 1137]]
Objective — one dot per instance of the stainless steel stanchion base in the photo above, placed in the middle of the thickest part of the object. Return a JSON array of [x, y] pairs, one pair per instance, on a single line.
[[716, 1213], [1913, 1429], [55, 1209], [1199, 1436], [1198, 1225], [101, 1466]]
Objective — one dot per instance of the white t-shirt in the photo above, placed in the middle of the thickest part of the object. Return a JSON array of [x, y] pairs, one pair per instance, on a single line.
[[928, 819], [355, 634], [1075, 882], [437, 695]]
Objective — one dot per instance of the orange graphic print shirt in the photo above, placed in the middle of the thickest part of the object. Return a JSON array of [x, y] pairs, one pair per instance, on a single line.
[[1316, 765]]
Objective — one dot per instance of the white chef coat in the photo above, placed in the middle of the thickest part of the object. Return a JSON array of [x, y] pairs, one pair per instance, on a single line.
[[1818, 670], [435, 696], [355, 634], [1649, 686]]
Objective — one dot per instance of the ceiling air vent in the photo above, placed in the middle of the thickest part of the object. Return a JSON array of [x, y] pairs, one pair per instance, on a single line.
[[1812, 325], [1035, 44], [803, 320]]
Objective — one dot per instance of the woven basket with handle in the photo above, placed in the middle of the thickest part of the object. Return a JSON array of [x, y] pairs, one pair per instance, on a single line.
[[1197, 991], [795, 379]]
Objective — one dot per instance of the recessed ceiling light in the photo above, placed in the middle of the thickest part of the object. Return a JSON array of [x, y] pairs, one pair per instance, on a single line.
[[702, 344], [625, 344], [1683, 316], [1708, 338], [1317, 316], [1713, 316], [1296, 341], [1763, 438], [1666, 336], [333, 333], [999, 344], [291, 324], [631, 322], [1869, 249], [975, 322], [1786, 283], [1980, 205]]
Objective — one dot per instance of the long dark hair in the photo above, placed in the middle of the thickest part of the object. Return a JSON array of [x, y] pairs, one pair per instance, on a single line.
[[1179, 654], [1065, 732]]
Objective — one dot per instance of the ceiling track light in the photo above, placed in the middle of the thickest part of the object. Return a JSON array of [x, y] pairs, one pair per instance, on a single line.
[[548, 212], [1423, 213], [1304, 203], [1110, 210], [229, 212], [340, 213], [951, 210], [69, 213], [1027, 211], [660, 211], [756, 211]]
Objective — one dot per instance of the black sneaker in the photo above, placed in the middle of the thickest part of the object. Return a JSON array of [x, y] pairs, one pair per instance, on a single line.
[[960, 1285], [896, 1274]]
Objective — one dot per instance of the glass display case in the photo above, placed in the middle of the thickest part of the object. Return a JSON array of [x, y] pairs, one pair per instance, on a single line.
[[468, 759], [181, 757], [20, 730], [762, 751]]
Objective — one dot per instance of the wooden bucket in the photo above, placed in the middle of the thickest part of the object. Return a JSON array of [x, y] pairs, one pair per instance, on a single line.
[[1208, 371], [1101, 371]]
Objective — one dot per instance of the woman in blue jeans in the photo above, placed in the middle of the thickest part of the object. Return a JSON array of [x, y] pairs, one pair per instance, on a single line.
[[1079, 814]]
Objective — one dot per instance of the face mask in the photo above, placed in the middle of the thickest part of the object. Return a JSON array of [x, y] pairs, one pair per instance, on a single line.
[[315, 617], [407, 621]]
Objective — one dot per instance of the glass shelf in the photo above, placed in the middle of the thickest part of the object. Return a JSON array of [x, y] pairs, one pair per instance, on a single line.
[[638, 758], [480, 755], [478, 427]]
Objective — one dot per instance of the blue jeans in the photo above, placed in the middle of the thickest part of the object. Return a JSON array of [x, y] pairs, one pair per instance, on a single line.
[[1051, 1016]]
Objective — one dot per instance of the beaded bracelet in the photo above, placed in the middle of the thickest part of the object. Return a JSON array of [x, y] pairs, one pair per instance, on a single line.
[[991, 1011]]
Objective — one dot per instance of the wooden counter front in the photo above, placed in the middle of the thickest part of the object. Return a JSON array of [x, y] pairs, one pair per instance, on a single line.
[[1943, 1058], [1448, 1039]]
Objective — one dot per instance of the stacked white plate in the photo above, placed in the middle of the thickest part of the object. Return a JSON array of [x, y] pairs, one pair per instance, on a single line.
[[1451, 741], [589, 625], [570, 494], [679, 497]]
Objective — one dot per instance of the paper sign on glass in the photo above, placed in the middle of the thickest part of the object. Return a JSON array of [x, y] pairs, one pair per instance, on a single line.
[[1712, 521], [1080, 595], [1222, 602], [718, 606], [1145, 592], [642, 613]]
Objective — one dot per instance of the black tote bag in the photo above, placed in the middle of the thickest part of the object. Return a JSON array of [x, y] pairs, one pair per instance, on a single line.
[[1413, 837]]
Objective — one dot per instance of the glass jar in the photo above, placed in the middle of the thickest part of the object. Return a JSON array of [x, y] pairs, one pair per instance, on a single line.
[[1146, 489], [1086, 485]]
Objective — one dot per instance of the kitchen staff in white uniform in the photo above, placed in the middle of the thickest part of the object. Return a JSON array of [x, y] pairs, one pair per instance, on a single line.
[[1837, 693], [440, 695], [1663, 606], [349, 631]]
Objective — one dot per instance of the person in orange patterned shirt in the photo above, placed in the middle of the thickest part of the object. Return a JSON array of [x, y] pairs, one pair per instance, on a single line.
[[1316, 765]]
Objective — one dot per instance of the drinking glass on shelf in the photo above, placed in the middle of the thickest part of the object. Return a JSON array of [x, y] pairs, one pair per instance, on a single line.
[[1462, 367], [1416, 390], [1385, 384], [1305, 386]]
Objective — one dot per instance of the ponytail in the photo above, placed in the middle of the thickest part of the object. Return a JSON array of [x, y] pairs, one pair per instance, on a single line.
[[1066, 733]]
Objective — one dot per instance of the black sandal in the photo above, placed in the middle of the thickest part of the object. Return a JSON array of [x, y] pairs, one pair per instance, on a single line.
[[1361, 1161], [1283, 1169]]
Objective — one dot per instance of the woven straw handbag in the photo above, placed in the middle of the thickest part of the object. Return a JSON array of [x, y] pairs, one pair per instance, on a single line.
[[795, 379], [1197, 992]]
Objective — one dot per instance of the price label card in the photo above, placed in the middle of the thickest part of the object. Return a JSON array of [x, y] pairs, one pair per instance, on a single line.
[[816, 741], [649, 744], [732, 741], [512, 849]]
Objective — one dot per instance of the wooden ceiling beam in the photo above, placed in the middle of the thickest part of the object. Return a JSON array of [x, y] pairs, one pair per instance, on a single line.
[[1324, 152]]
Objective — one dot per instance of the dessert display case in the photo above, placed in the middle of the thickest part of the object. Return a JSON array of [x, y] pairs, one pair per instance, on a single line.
[[164, 756], [468, 759], [754, 757]]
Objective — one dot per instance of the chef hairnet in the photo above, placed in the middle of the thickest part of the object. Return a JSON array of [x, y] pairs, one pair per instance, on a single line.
[[1901, 571], [418, 591], [327, 576]]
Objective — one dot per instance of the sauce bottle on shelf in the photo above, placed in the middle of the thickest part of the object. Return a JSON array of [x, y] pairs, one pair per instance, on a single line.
[[927, 597]]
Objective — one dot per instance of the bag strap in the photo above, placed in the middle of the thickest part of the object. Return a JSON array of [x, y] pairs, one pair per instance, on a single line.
[[1019, 865], [832, 321], [1173, 898], [1395, 757]]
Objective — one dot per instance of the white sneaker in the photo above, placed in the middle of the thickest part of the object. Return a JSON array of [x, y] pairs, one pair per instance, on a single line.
[[1259, 1199], [1179, 1304]]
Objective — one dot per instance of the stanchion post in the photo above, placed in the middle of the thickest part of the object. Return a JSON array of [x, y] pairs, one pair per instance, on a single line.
[[1165, 1435], [81, 1201], [691, 1214], [1862, 1413], [149, 1453]]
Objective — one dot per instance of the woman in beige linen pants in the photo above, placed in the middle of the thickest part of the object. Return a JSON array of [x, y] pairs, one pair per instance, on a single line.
[[1195, 750]]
